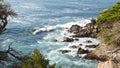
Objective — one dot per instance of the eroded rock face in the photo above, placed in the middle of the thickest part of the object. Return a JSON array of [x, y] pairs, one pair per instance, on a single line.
[[92, 56]]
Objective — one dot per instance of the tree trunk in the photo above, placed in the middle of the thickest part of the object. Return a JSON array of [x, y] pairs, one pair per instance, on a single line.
[[3, 24]]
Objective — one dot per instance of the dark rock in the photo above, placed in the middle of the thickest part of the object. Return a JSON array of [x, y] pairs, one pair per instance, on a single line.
[[91, 46], [93, 21], [82, 51], [80, 44], [76, 39], [90, 30], [92, 56], [88, 41], [73, 46], [64, 51], [75, 28], [66, 39], [83, 33], [55, 40]]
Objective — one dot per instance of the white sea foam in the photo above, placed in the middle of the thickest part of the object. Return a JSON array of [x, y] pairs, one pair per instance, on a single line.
[[58, 35], [31, 6], [67, 25], [67, 10], [20, 21], [73, 51]]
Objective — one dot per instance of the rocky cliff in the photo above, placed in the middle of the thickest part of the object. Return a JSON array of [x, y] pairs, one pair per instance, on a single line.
[[109, 48]]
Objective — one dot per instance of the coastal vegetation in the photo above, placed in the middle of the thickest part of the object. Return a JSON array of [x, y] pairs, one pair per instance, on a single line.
[[109, 20], [107, 28], [36, 60], [108, 23], [109, 15], [5, 12], [111, 36]]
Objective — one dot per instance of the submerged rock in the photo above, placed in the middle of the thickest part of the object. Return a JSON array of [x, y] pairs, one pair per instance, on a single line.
[[80, 44], [66, 39], [54, 40], [91, 46], [74, 46], [76, 39], [64, 51], [88, 41]]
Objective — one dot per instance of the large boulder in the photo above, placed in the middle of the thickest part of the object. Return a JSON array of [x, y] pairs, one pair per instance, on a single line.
[[93, 21], [90, 30], [75, 29], [82, 51], [88, 41]]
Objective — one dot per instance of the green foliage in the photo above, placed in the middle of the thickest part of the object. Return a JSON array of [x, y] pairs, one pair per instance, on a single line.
[[36, 60], [103, 31], [111, 36], [111, 14], [110, 40]]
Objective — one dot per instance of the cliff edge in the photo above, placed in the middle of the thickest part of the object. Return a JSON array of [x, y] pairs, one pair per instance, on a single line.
[[109, 35]]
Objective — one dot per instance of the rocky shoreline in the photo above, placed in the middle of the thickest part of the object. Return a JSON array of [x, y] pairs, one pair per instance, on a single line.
[[102, 52], [90, 30]]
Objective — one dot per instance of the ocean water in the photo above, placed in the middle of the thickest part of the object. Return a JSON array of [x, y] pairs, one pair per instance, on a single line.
[[39, 22]]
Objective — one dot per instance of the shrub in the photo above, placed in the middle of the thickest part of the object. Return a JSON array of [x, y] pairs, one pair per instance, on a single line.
[[111, 14], [37, 60]]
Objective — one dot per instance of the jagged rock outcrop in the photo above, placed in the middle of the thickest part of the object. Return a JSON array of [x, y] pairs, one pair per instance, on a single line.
[[109, 48], [82, 51], [90, 30]]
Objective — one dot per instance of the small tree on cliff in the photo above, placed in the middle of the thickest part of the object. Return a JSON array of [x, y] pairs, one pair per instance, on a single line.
[[36, 60], [5, 12]]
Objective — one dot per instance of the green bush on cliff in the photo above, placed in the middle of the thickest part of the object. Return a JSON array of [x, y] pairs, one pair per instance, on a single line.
[[111, 14], [37, 60], [111, 36]]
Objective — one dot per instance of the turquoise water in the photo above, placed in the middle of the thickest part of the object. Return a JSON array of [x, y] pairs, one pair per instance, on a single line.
[[41, 21]]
